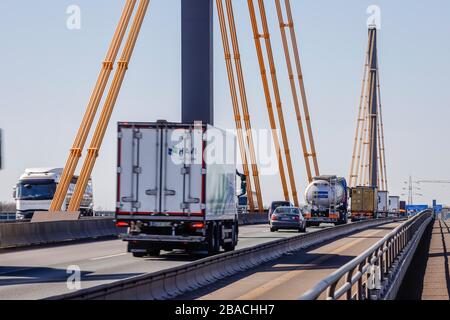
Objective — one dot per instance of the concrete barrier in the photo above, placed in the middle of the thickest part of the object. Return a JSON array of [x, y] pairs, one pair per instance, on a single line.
[[170, 283], [28, 234], [253, 218]]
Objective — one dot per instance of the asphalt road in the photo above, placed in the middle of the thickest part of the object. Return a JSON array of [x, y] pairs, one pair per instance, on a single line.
[[41, 272], [290, 276]]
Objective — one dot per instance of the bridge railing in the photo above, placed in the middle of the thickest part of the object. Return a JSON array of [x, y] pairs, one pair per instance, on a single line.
[[7, 216], [377, 273]]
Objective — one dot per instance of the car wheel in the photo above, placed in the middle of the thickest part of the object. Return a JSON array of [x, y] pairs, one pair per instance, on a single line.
[[273, 229], [154, 252], [138, 254]]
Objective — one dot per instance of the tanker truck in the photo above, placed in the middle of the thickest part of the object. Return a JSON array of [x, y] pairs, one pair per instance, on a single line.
[[326, 201]]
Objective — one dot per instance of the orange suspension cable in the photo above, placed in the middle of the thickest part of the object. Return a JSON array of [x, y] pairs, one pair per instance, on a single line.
[[353, 176], [244, 103], [267, 95], [108, 107], [302, 85], [276, 90], [383, 147], [295, 97], [234, 98], [91, 110]]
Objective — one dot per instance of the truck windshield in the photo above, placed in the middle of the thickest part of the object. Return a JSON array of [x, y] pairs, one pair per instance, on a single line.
[[36, 190]]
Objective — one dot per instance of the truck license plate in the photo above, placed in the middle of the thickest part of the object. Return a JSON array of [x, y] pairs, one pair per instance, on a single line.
[[160, 224]]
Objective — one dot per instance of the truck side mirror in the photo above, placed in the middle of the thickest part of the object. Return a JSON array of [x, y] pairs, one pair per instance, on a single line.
[[14, 193]]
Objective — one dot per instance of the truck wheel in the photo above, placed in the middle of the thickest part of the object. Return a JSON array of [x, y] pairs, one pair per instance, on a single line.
[[138, 254], [230, 246], [153, 252], [213, 240]]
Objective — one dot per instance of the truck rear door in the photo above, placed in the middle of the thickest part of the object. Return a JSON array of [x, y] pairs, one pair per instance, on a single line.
[[181, 171], [158, 170]]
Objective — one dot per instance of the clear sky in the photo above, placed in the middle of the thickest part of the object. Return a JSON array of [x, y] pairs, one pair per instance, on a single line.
[[48, 73]]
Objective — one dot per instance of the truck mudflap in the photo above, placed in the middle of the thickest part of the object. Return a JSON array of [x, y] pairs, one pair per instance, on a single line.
[[162, 238], [362, 217], [322, 220]]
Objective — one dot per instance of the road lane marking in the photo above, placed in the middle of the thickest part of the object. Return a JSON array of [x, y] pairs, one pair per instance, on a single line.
[[108, 257], [255, 293]]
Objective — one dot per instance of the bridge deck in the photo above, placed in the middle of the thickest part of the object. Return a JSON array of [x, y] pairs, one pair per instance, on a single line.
[[436, 285], [292, 275]]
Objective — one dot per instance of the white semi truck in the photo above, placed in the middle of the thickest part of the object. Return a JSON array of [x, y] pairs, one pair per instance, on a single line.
[[326, 201], [176, 187], [36, 188], [394, 206], [383, 203]]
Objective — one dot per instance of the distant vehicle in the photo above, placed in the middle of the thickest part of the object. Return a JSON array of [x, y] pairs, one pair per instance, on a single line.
[[326, 201], [276, 204], [287, 218], [383, 204], [394, 206], [402, 211], [171, 193], [36, 188], [364, 203]]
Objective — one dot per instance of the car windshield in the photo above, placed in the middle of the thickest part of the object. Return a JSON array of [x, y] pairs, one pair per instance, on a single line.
[[289, 211], [276, 205], [36, 190]]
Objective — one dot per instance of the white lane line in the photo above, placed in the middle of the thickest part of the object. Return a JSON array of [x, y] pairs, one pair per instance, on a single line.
[[110, 256]]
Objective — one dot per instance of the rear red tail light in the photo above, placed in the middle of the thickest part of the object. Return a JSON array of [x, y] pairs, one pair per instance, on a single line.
[[198, 225], [122, 224], [274, 218]]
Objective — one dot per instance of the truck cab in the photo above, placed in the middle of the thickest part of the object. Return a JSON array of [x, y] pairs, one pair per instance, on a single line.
[[36, 188]]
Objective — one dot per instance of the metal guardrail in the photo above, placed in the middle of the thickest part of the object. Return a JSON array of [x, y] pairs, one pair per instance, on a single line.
[[373, 274], [10, 217], [168, 284], [7, 216], [21, 233], [13, 235]]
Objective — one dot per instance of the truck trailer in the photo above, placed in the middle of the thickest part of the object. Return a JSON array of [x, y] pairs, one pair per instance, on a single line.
[[176, 187], [326, 201], [364, 203], [383, 203], [394, 206], [35, 190]]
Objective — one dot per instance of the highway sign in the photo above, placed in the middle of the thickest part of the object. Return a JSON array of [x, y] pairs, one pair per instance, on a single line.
[[416, 208]]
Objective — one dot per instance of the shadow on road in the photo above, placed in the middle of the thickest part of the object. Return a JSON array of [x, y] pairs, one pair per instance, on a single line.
[[20, 275]]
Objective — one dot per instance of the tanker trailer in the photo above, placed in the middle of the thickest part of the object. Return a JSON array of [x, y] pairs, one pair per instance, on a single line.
[[326, 201]]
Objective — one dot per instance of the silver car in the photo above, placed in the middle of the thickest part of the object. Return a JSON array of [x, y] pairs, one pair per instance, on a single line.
[[287, 218]]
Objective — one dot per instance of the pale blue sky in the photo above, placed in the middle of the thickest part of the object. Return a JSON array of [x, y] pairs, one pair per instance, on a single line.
[[48, 72]]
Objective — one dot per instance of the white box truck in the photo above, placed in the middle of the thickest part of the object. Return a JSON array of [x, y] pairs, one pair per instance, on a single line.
[[394, 206], [176, 187], [383, 203], [36, 188]]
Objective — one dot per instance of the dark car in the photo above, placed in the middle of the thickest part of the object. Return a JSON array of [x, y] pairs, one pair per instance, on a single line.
[[287, 218], [277, 204]]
